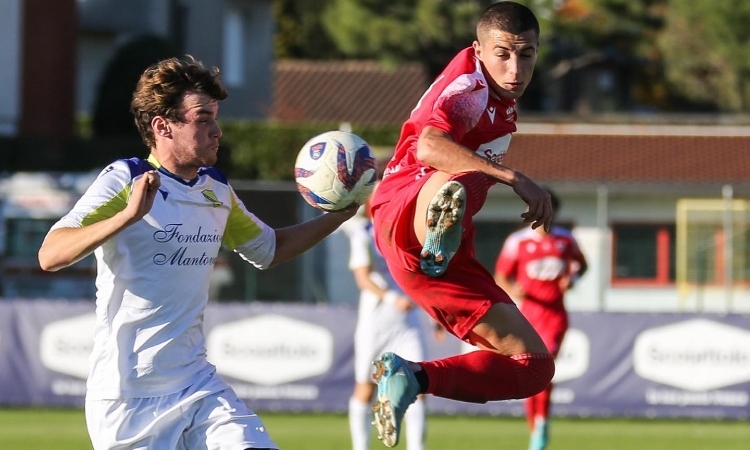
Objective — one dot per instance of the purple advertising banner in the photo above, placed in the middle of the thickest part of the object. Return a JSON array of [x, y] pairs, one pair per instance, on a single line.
[[644, 365], [298, 357]]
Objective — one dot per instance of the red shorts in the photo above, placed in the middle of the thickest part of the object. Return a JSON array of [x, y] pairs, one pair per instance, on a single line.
[[464, 293], [550, 323]]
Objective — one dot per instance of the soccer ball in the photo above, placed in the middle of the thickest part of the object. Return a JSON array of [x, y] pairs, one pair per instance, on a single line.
[[335, 169]]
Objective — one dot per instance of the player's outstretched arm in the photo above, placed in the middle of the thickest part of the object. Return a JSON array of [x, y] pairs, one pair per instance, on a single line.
[[437, 149], [65, 246], [294, 240]]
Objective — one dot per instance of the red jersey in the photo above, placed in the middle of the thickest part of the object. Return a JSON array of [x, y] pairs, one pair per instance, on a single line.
[[538, 262], [459, 103]]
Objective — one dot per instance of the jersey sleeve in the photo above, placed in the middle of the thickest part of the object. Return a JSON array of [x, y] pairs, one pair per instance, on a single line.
[[459, 106], [106, 196], [359, 243], [249, 236], [507, 260], [577, 259], [577, 253]]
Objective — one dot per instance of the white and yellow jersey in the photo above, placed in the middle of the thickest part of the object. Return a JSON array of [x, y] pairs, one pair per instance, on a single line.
[[152, 277]]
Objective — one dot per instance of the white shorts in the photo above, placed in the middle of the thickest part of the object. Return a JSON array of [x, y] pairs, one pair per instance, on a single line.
[[192, 419]]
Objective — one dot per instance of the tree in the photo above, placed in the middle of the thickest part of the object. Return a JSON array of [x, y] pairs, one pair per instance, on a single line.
[[576, 35], [395, 31], [662, 54], [706, 52], [300, 33], [617, 35]]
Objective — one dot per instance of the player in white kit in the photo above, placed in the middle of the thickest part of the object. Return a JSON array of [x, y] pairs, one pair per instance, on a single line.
[[387, 321], [156, 226]]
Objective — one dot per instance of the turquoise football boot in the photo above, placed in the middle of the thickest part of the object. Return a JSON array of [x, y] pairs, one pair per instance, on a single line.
[[397, 389], [444, 215], [539, 435]]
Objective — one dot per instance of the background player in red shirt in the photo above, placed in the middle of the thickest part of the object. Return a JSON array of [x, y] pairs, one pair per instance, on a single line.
[[536, 267], [448, 156]]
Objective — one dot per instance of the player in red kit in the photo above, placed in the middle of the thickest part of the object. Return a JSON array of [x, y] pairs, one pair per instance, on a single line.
[[448, 156], [537, 267]]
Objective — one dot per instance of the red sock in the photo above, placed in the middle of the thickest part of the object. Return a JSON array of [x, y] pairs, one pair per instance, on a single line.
[[538, 405], [543, 401], [530, 404], [483, 376]]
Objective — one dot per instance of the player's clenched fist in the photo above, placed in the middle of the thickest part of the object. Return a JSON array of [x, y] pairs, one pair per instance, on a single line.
[[142, 195]]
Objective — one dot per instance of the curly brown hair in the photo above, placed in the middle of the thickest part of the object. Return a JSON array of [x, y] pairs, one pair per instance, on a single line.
[[162, 87]]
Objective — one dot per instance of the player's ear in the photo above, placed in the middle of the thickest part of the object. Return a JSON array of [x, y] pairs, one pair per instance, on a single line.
[[477, 49], [161, 127]]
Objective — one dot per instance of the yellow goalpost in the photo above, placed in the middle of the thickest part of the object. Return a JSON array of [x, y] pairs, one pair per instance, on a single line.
[[712, 246]]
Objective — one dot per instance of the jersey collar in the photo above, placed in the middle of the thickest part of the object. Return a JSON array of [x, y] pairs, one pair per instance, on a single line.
[[157, 165]]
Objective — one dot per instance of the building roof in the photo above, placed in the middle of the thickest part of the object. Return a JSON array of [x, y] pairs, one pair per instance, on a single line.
[[363, 92], [643, 153], [632, 151]]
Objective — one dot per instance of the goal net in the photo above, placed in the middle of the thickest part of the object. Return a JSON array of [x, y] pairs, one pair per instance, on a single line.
[[712, 251]]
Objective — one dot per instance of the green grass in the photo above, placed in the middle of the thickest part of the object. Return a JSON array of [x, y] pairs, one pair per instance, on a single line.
[[64, 429]]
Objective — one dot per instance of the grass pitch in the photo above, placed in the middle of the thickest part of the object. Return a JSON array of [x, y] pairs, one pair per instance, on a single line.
[[64, 429]]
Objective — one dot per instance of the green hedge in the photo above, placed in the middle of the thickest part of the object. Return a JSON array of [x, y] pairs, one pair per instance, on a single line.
[[250, 150], [266, 151]]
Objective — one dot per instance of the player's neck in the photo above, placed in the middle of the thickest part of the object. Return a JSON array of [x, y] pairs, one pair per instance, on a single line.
[[186, 173], [500, 98]]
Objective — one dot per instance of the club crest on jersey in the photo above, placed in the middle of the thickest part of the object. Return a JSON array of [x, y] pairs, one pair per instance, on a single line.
[[316, 150], [210, 197]]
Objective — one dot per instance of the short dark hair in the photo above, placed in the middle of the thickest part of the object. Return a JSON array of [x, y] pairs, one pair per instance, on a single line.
[[507, 16], [161, 88]]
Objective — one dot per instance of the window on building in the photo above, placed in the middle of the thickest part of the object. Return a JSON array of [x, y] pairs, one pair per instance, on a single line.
[[643, 254], [490, 238], [233, 69]]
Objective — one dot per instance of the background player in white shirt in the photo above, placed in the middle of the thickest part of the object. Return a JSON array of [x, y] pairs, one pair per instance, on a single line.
[[387, 321], [156, 227]]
